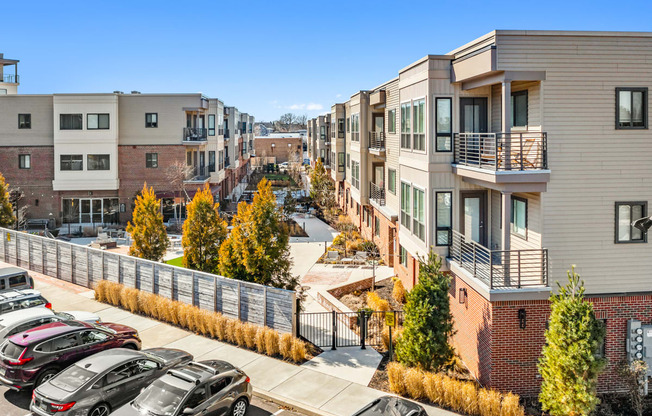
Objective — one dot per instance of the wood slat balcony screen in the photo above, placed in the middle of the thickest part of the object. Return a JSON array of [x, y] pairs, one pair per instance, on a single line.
[[500, 269], [502, 151]]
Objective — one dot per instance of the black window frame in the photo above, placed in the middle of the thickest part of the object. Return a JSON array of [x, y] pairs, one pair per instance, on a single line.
[[26, 123], [448, 134], [449, 229], [515, 94], [644, 110], [643, 238], [71, 158], [341, 162], [511, 220], [211, 130], [151, 124], [78, 116], [402, 256], [211, 156], [93, 155], [340, 128], [108, 121], [151, 160], [601, 350], [22, 158]]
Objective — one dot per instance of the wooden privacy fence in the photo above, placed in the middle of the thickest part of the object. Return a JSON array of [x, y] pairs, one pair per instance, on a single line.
[[85, 266]]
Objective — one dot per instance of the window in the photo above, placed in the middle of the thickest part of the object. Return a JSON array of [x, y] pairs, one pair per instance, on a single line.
[[419, 213], [196, 398], [151, 160], [367, 218], [322, 132], [151, 120], [631, 108], [403, 256], [443, 130], [24, 161], [405, 126], [601, 350], [340, 162], [626, 214], [419, 137], [24, 121], [444, 221], [211, 160], [97, 121], [391, 121], [355, 127], [355, 174], [348, 160], [405, 205], [72, 162], [340, 128], [220, 158], [219, 385], [519, 216], [98, 162], [519, 108], [391, 180], [211, 124], [376, 226], [64, 342], [348, 124], [91, 337], [70, 121]]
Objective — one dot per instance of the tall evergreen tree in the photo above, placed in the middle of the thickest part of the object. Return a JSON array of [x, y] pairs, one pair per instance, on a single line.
[[428, 323], [204, 230], [7, 217], [150, 239], [569, 365], [257, 249]]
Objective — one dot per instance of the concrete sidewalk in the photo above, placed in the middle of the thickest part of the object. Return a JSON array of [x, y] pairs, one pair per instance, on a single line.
[[301, 387]]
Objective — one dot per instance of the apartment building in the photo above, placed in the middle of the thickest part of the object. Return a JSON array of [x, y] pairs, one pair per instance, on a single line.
[[319, 144], [514, 157], [338, 149], [82, 158]]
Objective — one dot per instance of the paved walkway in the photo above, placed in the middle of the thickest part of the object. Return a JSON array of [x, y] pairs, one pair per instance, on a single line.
[[303, 387]]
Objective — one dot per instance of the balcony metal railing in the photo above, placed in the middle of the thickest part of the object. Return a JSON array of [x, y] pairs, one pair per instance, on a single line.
[[11, 79], [220, 132], [227, 162], [377, 140], [198, 174], [194, 134], [502, 151], [227, 134], [500, 269], [377, 193]]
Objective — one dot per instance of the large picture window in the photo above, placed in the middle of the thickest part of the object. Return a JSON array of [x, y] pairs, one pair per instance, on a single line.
[[419, 213], [97, 121], [70, 122], [405, 126], [419, 122], [519, 109], [626, 214], [631, 108], [98, 162], [443, 128], [405, 205], [519, 216], [71, 162], [211, 124], [444, 221]]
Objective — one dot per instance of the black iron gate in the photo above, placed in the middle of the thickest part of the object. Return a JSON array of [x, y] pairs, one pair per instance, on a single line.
[[345, 329]]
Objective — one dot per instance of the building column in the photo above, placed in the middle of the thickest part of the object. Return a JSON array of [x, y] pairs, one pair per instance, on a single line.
[[506, 219], [506, 121]]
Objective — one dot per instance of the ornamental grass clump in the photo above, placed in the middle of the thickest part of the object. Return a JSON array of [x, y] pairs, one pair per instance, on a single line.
[[285, 346]]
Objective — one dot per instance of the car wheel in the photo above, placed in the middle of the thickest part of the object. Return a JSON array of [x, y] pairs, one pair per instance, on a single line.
[[101, 409], [239, 408], [45, 376], [130, 346]]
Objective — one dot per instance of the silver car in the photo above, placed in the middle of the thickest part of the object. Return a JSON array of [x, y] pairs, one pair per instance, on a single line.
[[104, 381], [199, 388], [18, 321]]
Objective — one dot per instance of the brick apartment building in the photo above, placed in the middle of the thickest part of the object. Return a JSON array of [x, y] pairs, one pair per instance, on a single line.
[[81, 158], [283, 147], [513, 157]]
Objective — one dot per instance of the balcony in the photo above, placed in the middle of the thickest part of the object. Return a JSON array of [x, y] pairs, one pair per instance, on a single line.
[[503, 157], [197, 174], [194, 135], [377, 143], [377, 194], [227, 134], [220, 132], [11, 79], [500, 269], [227, 162]]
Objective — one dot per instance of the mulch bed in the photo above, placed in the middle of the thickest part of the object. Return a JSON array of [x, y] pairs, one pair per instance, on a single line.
[[384, 288]]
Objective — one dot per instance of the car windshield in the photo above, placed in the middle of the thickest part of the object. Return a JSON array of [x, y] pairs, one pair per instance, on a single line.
[[11, 350], [104, 328], [72, 378], [15, 305], [65, 316], [159, 398]]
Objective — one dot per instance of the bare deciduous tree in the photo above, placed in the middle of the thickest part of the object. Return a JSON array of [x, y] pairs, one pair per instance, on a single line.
[[176, 175], [289, 122]]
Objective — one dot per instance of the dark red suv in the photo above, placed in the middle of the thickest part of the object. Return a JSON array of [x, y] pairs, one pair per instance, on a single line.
[[29, 358]]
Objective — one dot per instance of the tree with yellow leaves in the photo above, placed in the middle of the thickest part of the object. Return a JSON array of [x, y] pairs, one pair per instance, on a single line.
[[203, 233], [7, 217], [150, 239], [257, 249]]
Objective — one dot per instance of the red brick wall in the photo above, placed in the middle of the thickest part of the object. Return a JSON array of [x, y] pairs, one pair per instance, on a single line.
[[385, 241], [281, 150], [408, 275]]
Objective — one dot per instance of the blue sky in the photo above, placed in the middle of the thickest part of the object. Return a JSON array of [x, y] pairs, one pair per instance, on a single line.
[[265, 57]]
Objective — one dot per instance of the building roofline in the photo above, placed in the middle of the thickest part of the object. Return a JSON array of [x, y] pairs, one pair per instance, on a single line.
[[422, 60]]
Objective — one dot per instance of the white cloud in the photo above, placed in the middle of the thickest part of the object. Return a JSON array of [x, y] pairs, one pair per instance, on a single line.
[[338, 96], [314, 107], [297, 107]]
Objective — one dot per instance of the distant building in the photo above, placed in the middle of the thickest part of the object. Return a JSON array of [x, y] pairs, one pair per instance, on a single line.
[[279, 146]]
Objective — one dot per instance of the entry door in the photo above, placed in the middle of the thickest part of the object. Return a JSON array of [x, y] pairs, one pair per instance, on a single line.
[[202, 160], [473, 115], [379, 176], [474, 216]]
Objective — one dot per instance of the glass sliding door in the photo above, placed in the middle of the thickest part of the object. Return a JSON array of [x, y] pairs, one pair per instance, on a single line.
[[473, 217]]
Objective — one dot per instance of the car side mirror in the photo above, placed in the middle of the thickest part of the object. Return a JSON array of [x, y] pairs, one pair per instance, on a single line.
[[187, 411]]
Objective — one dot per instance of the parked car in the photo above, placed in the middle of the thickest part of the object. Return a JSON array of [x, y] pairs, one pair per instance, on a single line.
[[199, 388], [283, 165], [13, 300], [104, 381], [30, 358], [15, 278], [391, 406], [14, 322]]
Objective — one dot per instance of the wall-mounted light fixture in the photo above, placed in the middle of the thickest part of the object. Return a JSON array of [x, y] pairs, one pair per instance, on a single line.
[[522, 317], [462, 296]]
